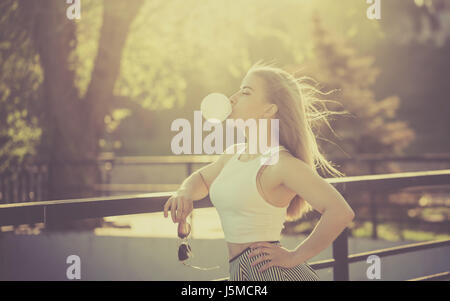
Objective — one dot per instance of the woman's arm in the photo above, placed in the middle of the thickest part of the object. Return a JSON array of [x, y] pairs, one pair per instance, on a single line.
[[197, 184], [194, 188], [322, 196]]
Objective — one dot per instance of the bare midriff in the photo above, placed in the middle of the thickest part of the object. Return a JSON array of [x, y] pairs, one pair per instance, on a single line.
[[236, 248]]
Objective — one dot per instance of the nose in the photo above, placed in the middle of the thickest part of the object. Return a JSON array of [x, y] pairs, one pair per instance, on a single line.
[[232, 99]]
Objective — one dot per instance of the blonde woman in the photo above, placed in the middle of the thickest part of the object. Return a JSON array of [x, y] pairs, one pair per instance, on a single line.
[[253, 199]]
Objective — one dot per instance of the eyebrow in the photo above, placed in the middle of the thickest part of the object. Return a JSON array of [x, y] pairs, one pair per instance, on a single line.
[[247, 87]]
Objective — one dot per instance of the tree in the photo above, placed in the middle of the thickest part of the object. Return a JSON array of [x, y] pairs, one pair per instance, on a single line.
[[374, 128], [73, 125], [20, 82]]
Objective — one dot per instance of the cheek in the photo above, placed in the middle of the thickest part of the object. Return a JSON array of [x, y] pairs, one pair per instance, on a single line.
[[247, 108]]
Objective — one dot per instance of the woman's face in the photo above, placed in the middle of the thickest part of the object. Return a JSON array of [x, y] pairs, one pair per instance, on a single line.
[[250, 101]]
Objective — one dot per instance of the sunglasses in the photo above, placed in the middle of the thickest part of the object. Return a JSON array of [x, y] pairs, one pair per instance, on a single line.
[[184, 249]]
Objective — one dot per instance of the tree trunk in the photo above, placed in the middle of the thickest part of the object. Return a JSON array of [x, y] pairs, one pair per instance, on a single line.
[[73, 126]]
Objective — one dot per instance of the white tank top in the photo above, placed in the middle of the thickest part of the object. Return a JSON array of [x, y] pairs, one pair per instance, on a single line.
[[244, 214]]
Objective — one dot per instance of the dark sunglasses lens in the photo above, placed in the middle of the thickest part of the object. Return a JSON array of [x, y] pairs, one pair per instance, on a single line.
[[184, 229], [184, 252]]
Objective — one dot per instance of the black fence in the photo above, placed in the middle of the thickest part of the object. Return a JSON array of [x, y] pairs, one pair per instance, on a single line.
[[28, 182], [62, 210], [24, 183]]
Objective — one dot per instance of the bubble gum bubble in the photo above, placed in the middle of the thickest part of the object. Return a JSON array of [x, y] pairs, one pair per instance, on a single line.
[[215, 107]]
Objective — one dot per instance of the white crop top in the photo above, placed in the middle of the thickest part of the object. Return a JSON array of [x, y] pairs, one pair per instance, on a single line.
[[244, 214]]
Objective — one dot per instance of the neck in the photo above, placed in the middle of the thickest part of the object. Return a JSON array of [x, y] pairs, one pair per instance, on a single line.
[[266, 136]]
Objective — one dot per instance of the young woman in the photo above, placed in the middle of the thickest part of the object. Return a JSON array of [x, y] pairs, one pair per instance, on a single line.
[[254, 199]]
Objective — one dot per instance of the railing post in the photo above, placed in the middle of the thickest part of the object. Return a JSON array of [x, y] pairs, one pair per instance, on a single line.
[[340, 255], [189, 172], [109, 165], [373, 204], [46, 169], [373, 214], [2, 189]]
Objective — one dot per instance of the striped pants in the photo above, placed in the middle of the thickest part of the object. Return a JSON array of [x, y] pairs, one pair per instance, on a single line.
[[242, 270]]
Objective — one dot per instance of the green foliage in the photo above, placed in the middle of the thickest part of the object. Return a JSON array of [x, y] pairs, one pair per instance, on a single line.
[[374, 128], [178, 51], [167, 53], [87, 38], [175, 59], [20, 88]]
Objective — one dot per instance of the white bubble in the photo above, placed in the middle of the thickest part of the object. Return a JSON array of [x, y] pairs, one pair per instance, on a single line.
[[215, 107]]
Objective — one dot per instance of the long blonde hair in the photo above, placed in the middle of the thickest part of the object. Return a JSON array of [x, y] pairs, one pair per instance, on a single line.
[[297, 114]]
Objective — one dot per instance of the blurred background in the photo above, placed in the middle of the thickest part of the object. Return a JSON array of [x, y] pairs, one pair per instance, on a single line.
[[86, 107]]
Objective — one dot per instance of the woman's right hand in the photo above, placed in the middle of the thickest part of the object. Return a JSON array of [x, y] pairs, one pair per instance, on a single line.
[[180, 204]]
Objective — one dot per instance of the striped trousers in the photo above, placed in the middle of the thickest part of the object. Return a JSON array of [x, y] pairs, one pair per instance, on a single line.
[[240, 269]]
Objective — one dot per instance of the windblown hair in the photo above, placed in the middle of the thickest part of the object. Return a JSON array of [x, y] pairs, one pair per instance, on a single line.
[[298, 115]]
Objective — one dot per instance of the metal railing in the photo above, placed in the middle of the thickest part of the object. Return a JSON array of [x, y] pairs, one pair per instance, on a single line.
[[28, 182], [72, 209]]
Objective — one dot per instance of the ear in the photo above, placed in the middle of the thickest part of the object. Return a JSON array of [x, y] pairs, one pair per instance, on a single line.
[[270, 110]]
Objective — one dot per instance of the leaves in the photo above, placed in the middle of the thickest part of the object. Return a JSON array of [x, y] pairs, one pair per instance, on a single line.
[[338, 66]]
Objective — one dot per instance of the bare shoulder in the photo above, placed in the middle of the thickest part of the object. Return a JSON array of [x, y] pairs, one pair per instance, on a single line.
[[232, 149], [284, 158], [288, 165], [230, 152]]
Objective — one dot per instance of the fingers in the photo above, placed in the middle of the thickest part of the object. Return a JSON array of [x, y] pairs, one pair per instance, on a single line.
[[173, 210], [179, 206], [166, 206], [268, 258], [260, 259], [260, 250], [262, 244], [266, 266], [180, 210], [187, 209]]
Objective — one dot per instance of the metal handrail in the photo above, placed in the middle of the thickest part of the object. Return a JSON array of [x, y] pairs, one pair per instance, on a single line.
[[62, 210], [317, 265], [434, 277]]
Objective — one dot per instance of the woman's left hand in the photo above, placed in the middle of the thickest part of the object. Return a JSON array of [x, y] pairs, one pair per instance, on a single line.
[[276, 255]]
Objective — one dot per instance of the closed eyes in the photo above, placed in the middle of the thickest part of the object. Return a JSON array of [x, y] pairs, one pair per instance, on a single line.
[[246, 88], [245, 91]]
